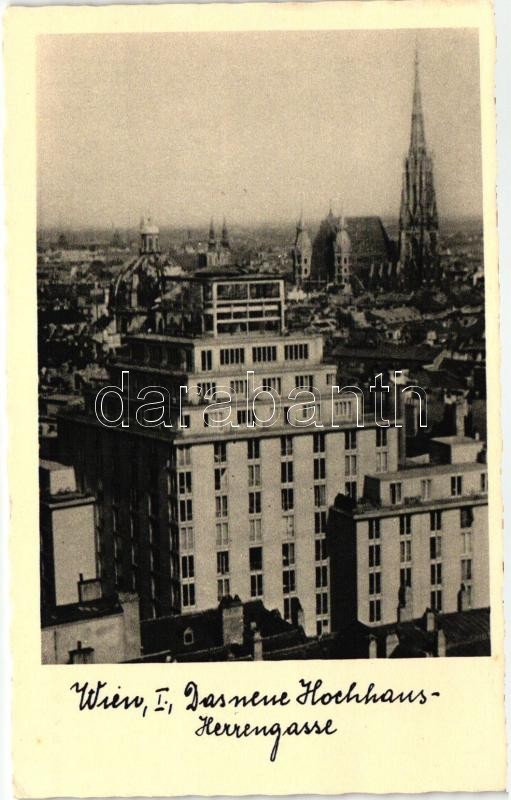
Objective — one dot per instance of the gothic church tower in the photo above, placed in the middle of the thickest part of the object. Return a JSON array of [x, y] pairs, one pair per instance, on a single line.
[[418, 220]]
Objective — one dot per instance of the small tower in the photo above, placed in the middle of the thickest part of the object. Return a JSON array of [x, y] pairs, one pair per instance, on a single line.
[[302, 255], [212, 236], [225, 237], [342, 258], [149, 237], [418, 218]]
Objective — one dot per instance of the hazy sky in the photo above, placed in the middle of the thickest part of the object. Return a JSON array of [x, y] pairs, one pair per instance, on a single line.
[[186, 126]]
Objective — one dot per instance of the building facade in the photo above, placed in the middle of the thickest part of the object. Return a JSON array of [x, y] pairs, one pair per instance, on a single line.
[[417, 540], [190, 512]]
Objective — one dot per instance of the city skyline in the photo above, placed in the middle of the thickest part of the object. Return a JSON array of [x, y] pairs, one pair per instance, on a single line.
[[215, 147]]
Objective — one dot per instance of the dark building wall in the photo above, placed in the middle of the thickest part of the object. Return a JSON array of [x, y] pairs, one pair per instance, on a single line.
[[342, 549]]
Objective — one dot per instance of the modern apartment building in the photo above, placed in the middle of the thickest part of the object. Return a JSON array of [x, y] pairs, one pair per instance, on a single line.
[[190, 510], [416, 540]]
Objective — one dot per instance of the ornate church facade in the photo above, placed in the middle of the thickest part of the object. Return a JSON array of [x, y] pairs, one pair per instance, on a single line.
[[357, 253]]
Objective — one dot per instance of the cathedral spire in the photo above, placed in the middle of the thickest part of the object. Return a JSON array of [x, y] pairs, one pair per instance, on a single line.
[[225, 235], [417, 139], [212, 237]]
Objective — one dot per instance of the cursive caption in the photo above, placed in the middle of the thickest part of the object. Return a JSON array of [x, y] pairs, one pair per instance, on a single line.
[[311, 694]]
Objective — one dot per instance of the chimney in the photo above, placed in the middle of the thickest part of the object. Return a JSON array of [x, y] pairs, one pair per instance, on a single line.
[[463, 598], [391, 642], [405, 607], [258, 643], [233, 622], [430, 620], [441, 644]]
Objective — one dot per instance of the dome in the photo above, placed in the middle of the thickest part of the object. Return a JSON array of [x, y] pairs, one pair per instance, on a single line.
[[148, 228]]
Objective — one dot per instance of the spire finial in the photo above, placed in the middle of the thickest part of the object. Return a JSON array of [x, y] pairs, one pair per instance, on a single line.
[[417, 139]]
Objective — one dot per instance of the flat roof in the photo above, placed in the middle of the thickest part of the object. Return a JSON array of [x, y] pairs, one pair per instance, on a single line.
[[428, 469]]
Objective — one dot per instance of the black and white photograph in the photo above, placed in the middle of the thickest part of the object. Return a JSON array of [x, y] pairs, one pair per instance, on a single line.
[[261, 346]]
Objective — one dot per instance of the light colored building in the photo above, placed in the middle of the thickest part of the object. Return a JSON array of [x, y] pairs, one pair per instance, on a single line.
[[80, 623], [417, 540], [188, 515]]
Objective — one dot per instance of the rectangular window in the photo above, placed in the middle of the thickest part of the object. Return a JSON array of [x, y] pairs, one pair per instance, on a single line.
[[321, 577], [288, 554], [239, 387], [436, 599], [375, 583], [436, 574], [188, 594], [286, 472], [223, 588], [319, 442], [222, 562], [350, 465], [221, 505], [187, 567], [320, 550], [255, 557], [286, 445], [222, 533], [320, 522], [405, 525], [185, 511], [405, 551], [350, 440], [466, 541], [382, 461], [381, 437], [395, 493], [343, 408], [255, 533], [405, 577], [304, 382], [374, 555], [186, 538], [320, 495], [466, 569], [426, 489], [254, 502], [319, 469], [288, 581], [184, 456], [253, 449], [484, 481], [204, 387], [220, 452], [254, 475], [374, 528], [206, 360], [256, 585], [184, 482], [220, 478], [435, 520], [466, 517], [287, 499], [322, 603], [296, 352], [232, 355], [374, 610], [288, 526], [245, 417], [264, 353], [435, 547], [456, 485]]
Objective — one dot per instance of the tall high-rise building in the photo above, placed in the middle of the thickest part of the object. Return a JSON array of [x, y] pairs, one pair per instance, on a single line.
[[190, 511], [418, 219]]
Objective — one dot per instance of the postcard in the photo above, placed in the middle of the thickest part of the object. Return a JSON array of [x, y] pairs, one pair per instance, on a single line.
[[253, 383]]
